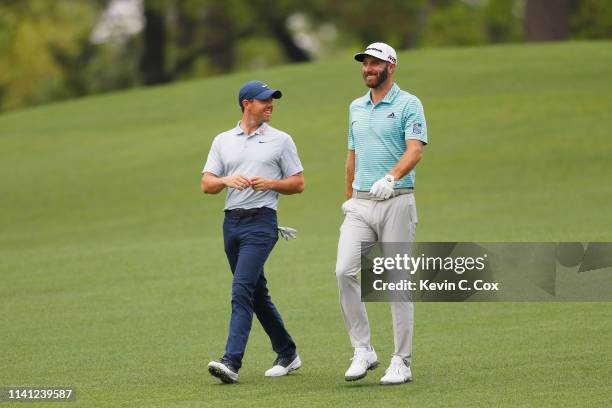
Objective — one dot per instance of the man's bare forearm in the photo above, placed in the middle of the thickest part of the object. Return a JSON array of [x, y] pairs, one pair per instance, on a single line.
[[211, 183], [290, 185], [350, 173], [409, 159]]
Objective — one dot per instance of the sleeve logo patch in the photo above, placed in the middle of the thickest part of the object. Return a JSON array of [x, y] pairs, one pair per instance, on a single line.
[[417, 128]]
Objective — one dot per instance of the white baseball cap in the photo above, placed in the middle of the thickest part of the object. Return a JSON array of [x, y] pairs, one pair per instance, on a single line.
[[378, 50]]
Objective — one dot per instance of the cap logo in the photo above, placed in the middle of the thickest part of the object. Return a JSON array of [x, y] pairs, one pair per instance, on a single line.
[[393, 60], [375, 49]]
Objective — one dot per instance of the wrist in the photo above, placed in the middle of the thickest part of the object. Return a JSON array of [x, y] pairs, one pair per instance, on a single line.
[[273, 183], [391, 177]]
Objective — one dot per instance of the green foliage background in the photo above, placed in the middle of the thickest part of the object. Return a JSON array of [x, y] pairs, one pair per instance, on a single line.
[[46, 55]]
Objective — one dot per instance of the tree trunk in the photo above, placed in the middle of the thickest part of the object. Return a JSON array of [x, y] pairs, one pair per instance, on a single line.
[[219, 39], [153, 60], [546, 20], [279, 30]]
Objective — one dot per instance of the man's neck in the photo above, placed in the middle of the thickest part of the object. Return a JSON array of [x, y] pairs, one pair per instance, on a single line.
[[249, 125], [378, 94]]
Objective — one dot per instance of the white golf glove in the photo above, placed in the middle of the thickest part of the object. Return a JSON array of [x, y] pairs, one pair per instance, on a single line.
[[383, 188], [287, 232]]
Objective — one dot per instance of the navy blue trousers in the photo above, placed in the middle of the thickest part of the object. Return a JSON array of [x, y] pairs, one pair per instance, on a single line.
[[248, 242]]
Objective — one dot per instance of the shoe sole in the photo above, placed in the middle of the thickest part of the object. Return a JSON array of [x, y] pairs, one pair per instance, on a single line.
[[372, 366], [221, 374], [396, 383]]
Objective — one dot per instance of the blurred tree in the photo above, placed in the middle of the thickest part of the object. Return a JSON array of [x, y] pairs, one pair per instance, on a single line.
[[32, 34], [272, 16], [180, 33], [46, 50], [200, 30], [397, 22], [591, 19], [547, 20], [153, 57], [220, 34], [455, 23], [503, 20]]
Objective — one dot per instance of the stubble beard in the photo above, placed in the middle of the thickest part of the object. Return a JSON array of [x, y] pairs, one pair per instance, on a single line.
[[382, 77]]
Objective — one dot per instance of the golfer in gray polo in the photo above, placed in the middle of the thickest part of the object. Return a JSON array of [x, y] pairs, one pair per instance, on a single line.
[[255, 163]]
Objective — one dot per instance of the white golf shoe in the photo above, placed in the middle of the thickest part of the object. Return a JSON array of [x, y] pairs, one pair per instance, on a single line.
[[223, 370], [363, 360], [397, 373], [283, 366]]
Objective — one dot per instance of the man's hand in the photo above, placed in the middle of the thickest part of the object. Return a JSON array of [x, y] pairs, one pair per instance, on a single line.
[[262, 184], [236, 181], [383, 188]]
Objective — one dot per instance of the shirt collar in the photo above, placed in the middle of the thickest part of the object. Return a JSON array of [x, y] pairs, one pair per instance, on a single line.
[[388, 97], [259, 131]]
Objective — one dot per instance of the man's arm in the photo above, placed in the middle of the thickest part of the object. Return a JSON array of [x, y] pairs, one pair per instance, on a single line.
[[289, 185], [350, 173], [383, 188], [410, 158], [213, 184]]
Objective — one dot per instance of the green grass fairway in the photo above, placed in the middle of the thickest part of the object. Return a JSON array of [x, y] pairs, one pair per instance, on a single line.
[[114, 280]]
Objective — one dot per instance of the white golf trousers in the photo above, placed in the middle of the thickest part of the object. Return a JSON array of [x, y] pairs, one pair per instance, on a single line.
[[392, 220]]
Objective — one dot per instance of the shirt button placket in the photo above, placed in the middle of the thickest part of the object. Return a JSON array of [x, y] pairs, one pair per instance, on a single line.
[[244, 142]]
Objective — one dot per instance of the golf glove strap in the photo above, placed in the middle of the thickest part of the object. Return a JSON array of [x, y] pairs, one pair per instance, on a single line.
[[383, 188], [287, 232]]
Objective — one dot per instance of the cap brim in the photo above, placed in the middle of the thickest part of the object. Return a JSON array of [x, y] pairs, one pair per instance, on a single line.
[[360, 56], [269, 93]]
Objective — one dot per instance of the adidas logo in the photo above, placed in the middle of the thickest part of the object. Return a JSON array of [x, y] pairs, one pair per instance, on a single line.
[[391, 115]]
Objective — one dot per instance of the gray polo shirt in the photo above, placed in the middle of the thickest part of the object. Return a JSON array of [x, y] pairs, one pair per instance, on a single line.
[[268, 152]]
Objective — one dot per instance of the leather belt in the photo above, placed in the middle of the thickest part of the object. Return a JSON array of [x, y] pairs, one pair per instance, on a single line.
[[248, 212]]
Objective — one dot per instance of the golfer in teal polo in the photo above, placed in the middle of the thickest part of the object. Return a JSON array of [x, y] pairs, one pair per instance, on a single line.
[[387, 133]]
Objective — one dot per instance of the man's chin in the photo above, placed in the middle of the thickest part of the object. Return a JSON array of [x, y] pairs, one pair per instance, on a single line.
[[371, 84]]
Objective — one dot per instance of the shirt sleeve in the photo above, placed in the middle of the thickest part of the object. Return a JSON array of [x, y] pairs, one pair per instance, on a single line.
[[415, 126], [351, 139], [289, 160], [214, 164]]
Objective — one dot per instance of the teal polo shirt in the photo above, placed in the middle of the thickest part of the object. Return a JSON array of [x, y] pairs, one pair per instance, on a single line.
[[378, 135]]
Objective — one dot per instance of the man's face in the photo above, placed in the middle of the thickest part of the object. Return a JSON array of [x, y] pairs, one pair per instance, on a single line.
[[375, 71], [260, 110]]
